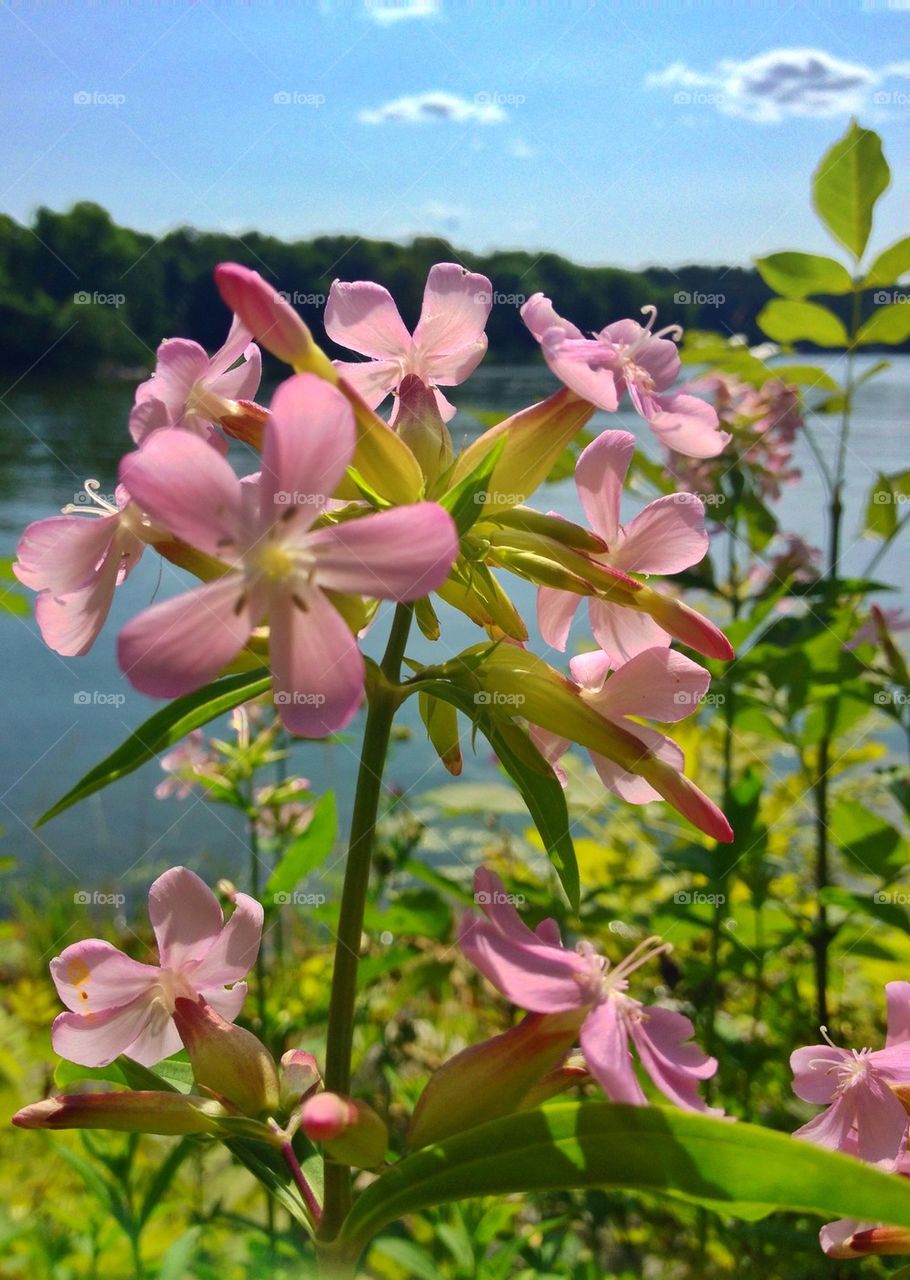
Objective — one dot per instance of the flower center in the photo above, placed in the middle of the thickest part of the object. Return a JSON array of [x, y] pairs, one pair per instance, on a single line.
[[275, 563], [601, 981]]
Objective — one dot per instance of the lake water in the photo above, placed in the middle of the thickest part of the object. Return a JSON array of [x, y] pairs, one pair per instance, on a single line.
[[53, 435]]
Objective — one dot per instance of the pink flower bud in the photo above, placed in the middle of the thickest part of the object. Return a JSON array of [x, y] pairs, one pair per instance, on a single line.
[[351, 1132], [226, 1059], [269, 317], [299, 1076], [143, 1111]]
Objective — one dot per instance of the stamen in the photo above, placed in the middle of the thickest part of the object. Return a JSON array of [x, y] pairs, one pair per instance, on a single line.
[[96, 505], [647, 950]]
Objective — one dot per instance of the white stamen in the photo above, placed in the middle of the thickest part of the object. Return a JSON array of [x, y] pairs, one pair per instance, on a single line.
[[96, 505]]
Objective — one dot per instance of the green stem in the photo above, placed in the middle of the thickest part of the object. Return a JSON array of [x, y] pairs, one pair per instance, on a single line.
[[383, 701], [255, 890]]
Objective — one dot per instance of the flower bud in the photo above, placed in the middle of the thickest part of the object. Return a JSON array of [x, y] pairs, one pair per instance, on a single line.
[[351, 1132], [142, 1111], [246, 422], [419, 424], [271, 319], [494, 1078], [850, 1239], [226, 1059], [299, 1076]]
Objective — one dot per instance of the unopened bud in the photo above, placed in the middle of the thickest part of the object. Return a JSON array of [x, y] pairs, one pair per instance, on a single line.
[[246, 422], [299, 1076], [226, 1059], [142, 1111], [419, 424], [351, 1132], [271, 319], [850, 1239]]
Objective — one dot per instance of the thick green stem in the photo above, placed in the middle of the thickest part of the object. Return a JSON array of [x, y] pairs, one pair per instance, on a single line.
[[383, 702]]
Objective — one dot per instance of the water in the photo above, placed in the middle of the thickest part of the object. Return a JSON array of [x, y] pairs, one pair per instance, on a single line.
[[54, 434]]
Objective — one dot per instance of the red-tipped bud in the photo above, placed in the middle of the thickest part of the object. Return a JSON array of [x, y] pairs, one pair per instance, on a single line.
[[246, 422], [270, 318], [226, 1059], [143, 1111], [299, 1077], [846, 1239], [686, 625], [351, 1132], [687, 799]]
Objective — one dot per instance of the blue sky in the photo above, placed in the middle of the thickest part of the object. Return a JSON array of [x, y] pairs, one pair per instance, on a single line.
[[626, 134]]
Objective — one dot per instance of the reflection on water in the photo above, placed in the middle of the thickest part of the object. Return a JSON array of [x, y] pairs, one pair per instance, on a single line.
[[54, 435]]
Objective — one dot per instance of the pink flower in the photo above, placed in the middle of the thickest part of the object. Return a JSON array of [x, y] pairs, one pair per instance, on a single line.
[[862, 1114], [121, 1006], [278, 566], [182, 765], [658, 684], [666, 537], [447, 345], [627, 357], [879, 620], [535, 972], [75, 560], [192, 390]]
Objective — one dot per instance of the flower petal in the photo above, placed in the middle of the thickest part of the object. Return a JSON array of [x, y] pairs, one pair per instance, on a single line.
[[671, 1058], [450, 332], [188, 488], [234, 951], [318, 669], [373, 380], [400, 554], [623, 633], [239, 342], [539, 978], [69, 624], [96, 1039], [93, 975], [186, 918], [180, 364], [227, 1003], [658, 684], [666, 537], [181, 644], [158, 1040], [832, 1127], [309, 441], [688, 426], [363, 317], [630, 786], [605, 1044], [599, 477], [897, 995], [814, 1070], [491, 896], [540, 316], [63, 553], [881, 1123], [555, 611]]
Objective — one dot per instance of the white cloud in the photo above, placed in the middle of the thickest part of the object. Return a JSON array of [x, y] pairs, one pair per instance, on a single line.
[[777, 84], [387, 13], [435, 107], [448, 216]]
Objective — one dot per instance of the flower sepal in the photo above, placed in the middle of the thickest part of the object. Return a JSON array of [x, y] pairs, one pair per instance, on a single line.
[[227, 1060]]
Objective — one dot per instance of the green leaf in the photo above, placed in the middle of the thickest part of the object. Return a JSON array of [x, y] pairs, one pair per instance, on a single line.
[[884, 505], [465, 501], [846, 185], [889, 324], [867, 840], [736, 1169], [176, 1262], [164, 1175], [307, 852], [162, 730], [890, 265], [797, 275], [786, 321]]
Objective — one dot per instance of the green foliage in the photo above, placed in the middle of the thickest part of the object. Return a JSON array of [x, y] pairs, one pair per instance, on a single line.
[[846, 185]]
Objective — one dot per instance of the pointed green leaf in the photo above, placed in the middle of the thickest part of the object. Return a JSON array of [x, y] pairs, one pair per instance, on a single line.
[[889, 323], [787, 321], [890, 265], [162, 730], [798, 275], [846, 185], [736, 1169]]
